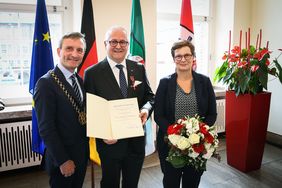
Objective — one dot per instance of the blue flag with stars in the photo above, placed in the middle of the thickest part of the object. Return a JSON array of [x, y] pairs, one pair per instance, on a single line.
[[41, 63]]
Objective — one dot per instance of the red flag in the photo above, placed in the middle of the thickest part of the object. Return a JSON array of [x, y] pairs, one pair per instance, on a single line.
[[88, 28], [186, 25], [90, 58], [186, 21]]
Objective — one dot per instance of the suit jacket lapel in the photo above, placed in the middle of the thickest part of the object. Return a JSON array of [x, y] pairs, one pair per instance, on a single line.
[[172, 92], [82, 87]]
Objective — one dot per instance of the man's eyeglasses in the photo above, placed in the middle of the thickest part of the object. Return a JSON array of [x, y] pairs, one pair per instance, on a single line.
[[114, 43], [186, 57]]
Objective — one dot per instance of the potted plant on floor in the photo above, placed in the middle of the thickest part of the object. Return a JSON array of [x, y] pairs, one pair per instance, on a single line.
[[246, 72]]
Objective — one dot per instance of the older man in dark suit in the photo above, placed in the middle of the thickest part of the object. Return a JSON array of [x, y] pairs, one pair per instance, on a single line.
[[115, 78], [60, 107]]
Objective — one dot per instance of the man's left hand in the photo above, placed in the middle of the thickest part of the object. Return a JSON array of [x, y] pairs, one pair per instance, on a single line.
[[144, 115]]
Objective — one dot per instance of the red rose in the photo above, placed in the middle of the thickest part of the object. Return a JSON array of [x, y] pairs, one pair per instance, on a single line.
[[198, 148], [209, 138], [174, 129]]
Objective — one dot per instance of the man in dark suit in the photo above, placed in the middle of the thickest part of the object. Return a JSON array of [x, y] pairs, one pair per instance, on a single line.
[[60, 108], [124, 156]]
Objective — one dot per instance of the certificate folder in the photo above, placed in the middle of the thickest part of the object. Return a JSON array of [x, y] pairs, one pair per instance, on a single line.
[[115, 119]]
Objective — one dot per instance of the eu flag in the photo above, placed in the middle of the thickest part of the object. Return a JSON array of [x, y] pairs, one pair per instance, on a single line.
[[41, 62]]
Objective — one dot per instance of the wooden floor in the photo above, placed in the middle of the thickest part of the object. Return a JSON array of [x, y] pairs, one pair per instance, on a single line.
[[219, 175]]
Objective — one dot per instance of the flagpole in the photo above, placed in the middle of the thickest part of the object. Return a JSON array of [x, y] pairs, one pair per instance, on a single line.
[[90, 58]]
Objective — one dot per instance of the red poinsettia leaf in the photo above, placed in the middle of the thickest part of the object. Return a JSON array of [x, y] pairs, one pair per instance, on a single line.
[[236, 50], [267, 62], [263, 52], [242, 64], [224, 57], [254, 68]]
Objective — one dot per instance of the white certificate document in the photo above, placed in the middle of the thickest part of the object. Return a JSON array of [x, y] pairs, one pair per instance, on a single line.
[[115, 119]]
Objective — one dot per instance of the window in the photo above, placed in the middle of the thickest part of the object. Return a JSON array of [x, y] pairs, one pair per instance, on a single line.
[[168, 29], [17, 29]]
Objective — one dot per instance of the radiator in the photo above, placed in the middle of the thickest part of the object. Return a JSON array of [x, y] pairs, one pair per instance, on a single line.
[[220, 121], [15, 143]]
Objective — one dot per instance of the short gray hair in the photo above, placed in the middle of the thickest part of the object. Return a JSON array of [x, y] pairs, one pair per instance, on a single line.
[[113, 28]]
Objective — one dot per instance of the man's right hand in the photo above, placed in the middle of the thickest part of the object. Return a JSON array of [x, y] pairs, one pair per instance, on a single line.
[[110, 141], [67, 168]]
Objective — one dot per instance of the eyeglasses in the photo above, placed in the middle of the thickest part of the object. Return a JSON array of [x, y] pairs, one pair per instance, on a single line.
[[186, 57], [114, 43]]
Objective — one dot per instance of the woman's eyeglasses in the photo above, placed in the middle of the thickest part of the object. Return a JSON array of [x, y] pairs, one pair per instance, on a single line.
[[186, 57]]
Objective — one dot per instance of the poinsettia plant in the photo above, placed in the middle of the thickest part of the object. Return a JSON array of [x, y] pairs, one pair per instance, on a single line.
[[246, 70], [192, 143]]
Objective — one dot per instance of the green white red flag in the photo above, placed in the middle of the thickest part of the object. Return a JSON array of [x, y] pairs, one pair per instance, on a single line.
[[186, 21], [186, 25]]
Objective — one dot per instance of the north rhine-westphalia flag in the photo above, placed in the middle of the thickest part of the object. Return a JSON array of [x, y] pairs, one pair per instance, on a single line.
[[137, 53], [41, 63], [90, 58], [186, 25]]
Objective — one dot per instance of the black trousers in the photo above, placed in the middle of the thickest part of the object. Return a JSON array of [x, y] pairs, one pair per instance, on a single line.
[[80, 156], [126, 168], [57, 180]]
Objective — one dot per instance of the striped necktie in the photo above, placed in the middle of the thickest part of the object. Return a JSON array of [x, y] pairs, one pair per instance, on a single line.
[[122, 81], [76, 88]]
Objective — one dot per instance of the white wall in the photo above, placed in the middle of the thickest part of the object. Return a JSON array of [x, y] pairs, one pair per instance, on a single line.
[[266, 15], [119, 13], [236, 15], [223, 19]]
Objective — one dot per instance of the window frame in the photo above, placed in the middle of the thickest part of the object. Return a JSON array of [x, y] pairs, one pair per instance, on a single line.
[[65, 10], [209, 19]]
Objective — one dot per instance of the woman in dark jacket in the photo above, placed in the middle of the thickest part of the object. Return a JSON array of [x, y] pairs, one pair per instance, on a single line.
[[183, 93]]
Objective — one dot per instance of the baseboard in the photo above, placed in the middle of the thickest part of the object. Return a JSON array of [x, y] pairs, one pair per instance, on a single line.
[[274, 139]]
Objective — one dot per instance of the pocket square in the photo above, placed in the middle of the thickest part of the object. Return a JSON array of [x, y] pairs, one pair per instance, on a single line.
[[136, 83]]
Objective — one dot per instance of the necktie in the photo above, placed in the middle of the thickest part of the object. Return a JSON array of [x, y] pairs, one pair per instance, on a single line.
[[122, 81], [76, 88]]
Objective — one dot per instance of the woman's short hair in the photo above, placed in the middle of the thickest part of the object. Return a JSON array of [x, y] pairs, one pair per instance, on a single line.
[[181, 44]]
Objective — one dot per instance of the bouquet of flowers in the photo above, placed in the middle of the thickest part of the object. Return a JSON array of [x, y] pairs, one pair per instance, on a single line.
[[191, 143]]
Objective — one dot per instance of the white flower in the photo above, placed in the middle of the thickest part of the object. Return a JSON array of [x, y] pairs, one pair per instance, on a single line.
[[194, 139], [209, 153], [193, 154], [183, 143], [194, 121], [174, 138], [189, 130], [195, 128], [179, 121], [207, 145]]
